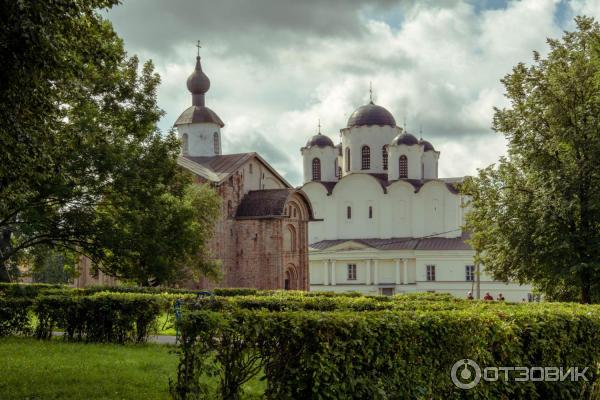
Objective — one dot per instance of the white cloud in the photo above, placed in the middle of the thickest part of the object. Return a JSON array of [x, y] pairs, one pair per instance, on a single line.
[[438, 66]]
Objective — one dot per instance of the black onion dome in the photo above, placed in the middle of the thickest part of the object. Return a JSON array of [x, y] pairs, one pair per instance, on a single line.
[[405, 138], [198, 82], [319, 140], [426, 145], [371, 114]]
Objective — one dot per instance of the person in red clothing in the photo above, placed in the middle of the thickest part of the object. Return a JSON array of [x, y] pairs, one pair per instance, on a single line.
[[488, 297]]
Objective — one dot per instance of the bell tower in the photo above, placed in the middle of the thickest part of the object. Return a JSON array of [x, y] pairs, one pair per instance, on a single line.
[[199, 127]]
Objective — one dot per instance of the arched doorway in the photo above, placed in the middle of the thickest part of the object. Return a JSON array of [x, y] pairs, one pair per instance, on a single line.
[[290, 278]]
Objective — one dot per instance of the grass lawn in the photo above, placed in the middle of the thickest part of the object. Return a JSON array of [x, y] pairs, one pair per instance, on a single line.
[[32, 369]]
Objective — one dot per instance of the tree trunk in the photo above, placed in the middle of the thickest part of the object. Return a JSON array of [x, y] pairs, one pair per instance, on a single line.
[[586, 289]]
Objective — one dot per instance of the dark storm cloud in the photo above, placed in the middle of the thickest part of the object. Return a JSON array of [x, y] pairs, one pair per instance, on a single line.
[[241, 26]]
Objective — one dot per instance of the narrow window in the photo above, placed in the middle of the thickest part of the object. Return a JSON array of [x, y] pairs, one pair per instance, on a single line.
[[316, 169], [384, 151], [370, 212], [349, 212], [430, 272], [351, 272], [347, 159], [403, 167], [216, 143], [250, 167], [470, 273], [184, 143], [366, 157], [335, 168], [339, 172]]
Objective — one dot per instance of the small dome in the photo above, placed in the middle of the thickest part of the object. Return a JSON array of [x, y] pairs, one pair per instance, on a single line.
[[405, 138], [319, 140], [371, 114], [198, 82], [426, 145]]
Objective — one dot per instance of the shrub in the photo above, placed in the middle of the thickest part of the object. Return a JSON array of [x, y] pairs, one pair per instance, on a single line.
[[385, 354], [117, 318], [14, 316]]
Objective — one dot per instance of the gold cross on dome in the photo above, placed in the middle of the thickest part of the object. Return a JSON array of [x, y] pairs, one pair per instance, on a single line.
[[199, 47]]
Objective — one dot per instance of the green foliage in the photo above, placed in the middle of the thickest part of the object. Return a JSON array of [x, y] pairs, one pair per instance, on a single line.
[[14, 316], [85, 166], [535, 217], [53, 266], [116, 318], [384, 354]]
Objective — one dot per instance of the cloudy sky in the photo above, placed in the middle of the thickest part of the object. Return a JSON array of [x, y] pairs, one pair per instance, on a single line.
[[277, 66]]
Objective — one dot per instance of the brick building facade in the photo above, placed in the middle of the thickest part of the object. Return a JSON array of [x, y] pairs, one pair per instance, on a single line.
[[261, 238]]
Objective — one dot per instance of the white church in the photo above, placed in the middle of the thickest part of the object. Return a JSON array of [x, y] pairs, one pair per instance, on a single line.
[[386, 223]]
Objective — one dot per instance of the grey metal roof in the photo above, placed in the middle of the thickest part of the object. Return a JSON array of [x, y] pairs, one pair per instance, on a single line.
[[319, 140], [218, 168], [406, 139], [371, 114], [425, 244], [451, 183], [268, 203], [195, 114], [426, 145]]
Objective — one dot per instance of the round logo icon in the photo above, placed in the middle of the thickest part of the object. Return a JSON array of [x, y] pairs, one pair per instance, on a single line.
[[465, 374]]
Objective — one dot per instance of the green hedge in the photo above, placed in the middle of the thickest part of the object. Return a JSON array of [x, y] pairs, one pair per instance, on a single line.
[[14, 316], [384, 354], [116, 318]]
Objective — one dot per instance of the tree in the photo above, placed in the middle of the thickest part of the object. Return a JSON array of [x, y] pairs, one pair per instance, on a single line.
[[85, 164], [53, 266], [535, 217]]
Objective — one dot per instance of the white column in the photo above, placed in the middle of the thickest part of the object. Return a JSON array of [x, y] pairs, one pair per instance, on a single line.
[[405, 271], [368, 278], [333, 272], [398, 272], [375, 272], [325, 272]]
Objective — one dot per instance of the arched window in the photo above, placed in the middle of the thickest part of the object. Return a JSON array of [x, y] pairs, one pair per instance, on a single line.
[[347, 159], [339, 172], [403, 166], [216, 143], [384, 152], [366, 157], [370, 212], [335, 168], [290, 238], [316, 169], [184, 143], [349, 212]]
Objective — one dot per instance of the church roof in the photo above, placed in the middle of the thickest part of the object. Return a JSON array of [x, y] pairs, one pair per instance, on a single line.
[[319, 140], [425, 244], [268, 203], [218, 168], [416, 183], [195, 114], [371, 114]]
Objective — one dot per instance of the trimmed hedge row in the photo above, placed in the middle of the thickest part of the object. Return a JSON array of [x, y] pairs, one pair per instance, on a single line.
[[35, 289], [103, 317], [14, 316], [384, 354], [120, 318]]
